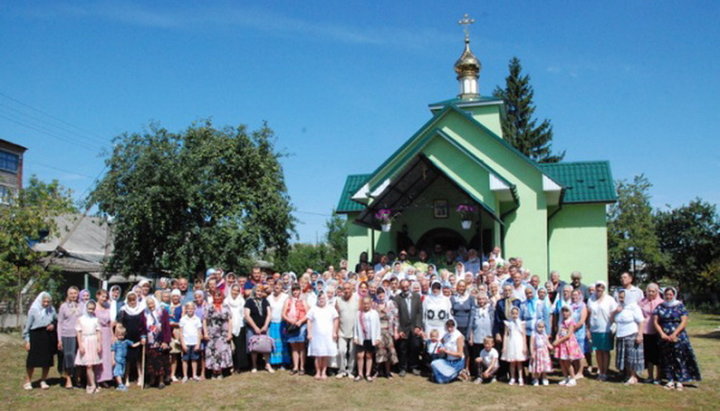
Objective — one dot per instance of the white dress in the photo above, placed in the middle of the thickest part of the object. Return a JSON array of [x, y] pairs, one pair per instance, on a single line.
[[322, 343], [513, 348]]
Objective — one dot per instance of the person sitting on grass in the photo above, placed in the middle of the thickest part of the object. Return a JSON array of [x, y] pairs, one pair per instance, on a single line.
[[488, 361], [120, 350], [190, 336], [447, 369]]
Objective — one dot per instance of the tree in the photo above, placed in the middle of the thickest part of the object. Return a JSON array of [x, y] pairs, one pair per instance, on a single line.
[[519, 128], [689, 236], [336, 238], [319, 256], [632, 240], [25, 220], [182, 202]]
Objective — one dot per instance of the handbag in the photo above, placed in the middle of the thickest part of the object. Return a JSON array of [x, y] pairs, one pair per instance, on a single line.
[[292, 328], [262, 344]]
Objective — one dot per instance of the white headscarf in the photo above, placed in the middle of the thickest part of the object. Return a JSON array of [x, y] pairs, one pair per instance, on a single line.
[[674, 301], [37, 304], [113, 302], [235, 305], [139, 308]]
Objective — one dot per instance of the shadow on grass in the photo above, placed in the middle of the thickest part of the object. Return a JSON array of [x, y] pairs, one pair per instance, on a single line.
[[712, 335]]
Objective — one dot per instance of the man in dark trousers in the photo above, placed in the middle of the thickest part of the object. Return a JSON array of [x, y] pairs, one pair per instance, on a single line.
[[409, 344]]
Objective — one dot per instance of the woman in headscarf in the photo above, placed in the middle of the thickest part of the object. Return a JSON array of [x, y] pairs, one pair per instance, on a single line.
[[89, 344], [462, 305], [115, 302], [677, 356], [103, 373], [322, 331], [447, 369], [217, 326], [236, 304], [277, 299], [159, 334], [40, 338], [388, 315], [481, 326], [257, 321], [579, 312], [295, 314], [68, 315], [132, 318], [629, 320], [651, 348], [83, 298], [562, 300], [176, 312]]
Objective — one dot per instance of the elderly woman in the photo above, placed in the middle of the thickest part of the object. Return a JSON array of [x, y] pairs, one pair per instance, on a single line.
[[388, 317], [277, 300], [159, 334], [236, 304], [257, 321], [67, 317], [600, 308], [481, 326], [40, 339], [651, 339], [217, 326], [132, 317], [678, 358], [447, 369], [322, 331], [629, 338]]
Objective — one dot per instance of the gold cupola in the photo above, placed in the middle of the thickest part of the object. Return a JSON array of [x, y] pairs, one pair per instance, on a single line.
[[467, 67]]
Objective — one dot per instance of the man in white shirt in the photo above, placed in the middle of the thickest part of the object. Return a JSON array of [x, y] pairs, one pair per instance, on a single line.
[[633, 295]]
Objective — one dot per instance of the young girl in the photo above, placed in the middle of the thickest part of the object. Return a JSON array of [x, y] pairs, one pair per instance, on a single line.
[[540, 354], [515, 346], [89, 344], [566, 346], [190, 336]]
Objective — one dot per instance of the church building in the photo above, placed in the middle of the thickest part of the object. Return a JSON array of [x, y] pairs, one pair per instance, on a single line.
[[457, 183]]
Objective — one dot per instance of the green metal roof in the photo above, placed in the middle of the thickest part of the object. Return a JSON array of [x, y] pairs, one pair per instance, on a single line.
[[352, 185], [583, 181], [460, 101]]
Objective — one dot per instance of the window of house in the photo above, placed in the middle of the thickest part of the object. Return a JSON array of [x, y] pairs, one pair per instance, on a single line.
[[9, 161], [6, 193]]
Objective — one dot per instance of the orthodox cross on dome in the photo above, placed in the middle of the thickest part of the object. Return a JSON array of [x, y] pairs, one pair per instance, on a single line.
[[466, 21]]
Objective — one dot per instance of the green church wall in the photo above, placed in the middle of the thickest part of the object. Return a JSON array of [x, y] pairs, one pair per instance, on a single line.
[[489, 116], [578, 242]]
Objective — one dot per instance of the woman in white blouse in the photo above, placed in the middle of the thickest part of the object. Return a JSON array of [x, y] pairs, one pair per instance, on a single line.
[[367, 337], [629, 338]]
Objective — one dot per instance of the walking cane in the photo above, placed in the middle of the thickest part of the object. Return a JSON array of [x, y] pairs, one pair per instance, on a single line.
[[142, 380]]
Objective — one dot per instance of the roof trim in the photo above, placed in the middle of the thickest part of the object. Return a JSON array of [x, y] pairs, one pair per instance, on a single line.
[[10, 143]]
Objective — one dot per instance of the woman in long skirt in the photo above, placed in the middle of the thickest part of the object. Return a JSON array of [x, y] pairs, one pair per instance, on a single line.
[[67, 337], [103, 372], [677, 356], [218, 330], [277, 299], [157, 350], [236, 304], [40, 338]]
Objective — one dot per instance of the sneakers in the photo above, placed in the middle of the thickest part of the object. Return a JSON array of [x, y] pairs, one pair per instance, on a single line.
[[174, 379], [28, 386], [121, 387], [196, 378], [520, 382], [340, 375], [512, 381], [545, 381], [184, 380], [572, 382], [416, 372], [43, 385], [535, 382], [402, 373], [492, 381], [478, 380], [270, 369], [564, 381], [602, 377]]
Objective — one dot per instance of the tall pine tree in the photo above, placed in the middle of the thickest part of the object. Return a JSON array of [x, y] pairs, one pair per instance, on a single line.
[[519, 128]]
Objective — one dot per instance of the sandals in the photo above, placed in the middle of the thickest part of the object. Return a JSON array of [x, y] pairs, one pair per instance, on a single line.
[[358, 378], [44, 385], [370, 379], [27, 386]]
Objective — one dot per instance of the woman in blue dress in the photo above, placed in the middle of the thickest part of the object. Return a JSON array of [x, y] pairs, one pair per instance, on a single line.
[[677, 356], [447, 369]]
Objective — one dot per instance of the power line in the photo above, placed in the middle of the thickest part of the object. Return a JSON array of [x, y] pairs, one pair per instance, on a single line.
[[48, 133], [59, 169]]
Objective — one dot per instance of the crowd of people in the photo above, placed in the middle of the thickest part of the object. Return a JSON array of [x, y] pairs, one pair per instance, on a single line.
[[448, 316]]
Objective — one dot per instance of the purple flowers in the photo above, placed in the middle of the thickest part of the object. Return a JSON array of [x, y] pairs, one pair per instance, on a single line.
[[385, 215], [466, 211]]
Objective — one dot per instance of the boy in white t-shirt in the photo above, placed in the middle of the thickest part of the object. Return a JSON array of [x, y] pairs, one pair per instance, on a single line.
[[190, 336], [487, 362]]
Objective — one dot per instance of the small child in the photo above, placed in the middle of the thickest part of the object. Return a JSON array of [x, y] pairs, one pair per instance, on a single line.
[[515, 346], [433, 345], [190, 334], [566, 346], [120, 348], [487, 362], [540, 363]]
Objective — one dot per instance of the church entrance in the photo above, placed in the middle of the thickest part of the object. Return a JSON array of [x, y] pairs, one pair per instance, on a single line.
[[447, 238]]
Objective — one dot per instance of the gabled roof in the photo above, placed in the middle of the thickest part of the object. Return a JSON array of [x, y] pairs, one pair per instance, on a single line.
[[583, 181], [459, 102], [352, 185], [12, 145]]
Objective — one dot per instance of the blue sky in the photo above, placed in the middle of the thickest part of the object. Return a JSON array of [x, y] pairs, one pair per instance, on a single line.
[[345, 83]]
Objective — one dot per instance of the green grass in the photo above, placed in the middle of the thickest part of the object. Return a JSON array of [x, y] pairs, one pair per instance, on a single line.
[[283, 391]]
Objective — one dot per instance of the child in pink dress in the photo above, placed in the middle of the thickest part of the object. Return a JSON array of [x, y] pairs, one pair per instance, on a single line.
[[540, 363], [89, 344], [566, 346]]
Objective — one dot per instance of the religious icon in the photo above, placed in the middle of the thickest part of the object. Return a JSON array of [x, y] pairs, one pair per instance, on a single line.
[[440, 209]]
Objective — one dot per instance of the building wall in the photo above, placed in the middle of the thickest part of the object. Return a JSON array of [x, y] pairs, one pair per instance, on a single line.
[[11, 180], [489, 116], [578, 242]]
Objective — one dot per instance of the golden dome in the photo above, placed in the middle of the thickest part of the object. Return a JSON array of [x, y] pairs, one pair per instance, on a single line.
[[467, 64]]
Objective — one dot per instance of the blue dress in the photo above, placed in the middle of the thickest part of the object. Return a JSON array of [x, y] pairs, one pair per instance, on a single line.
[[677, 358]]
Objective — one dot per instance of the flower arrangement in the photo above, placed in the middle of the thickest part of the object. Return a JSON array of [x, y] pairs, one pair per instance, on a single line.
[[385, 215], [466, 211]]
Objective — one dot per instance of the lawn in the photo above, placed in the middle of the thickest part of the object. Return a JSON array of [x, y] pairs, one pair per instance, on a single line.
[[283, 391]]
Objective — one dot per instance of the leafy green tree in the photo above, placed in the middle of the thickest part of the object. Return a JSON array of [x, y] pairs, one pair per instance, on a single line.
[[27, 219], [185, 201], [519, 127], [302, 256], [689, 236], [336, 238], [632, 239]]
